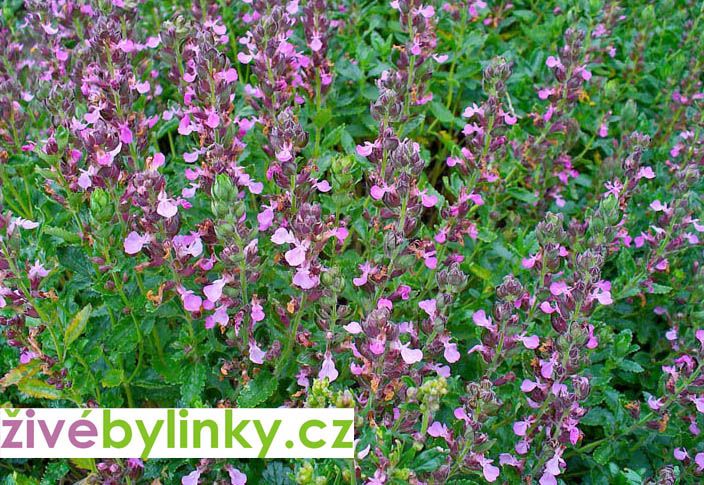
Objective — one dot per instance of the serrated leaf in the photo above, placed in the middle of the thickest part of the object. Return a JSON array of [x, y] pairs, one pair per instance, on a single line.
[[19, 479], [19, 373], [322, 118], [333, 137], [429, 461], [112, 378], [277, 474], [481, 272], [443, 114], [63, 234], [257, 391], [193, 383], [631, 366], [54, 472], [77, 325], [522, 195], [603, 453], [84, 463], [660, 289], [598, 417], [39, 389]]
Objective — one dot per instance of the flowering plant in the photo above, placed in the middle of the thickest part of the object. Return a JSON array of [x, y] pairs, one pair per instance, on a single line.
[[477, 223]]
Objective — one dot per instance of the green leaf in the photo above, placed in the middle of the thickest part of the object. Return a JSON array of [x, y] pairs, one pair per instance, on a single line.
[[333, 137], [631, 366], [322, 117], [603, 453], [193, 383], [39, 389], [112, 378], [598, 417], [443, 114], [480, 272], [63, 234], [522, 195], [660, 289], [54, 472], [77, 325], [20, 373], [277, 474], [429, 461], [84, 463], [257, 391]]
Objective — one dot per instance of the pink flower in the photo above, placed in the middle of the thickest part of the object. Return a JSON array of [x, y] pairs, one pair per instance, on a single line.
[[680, 454], [481, 320], [698, 403], [191, 157], [257, 312], [315, 43], [470, 111], [428, 200], [106, 158], [438, 429], [410, 356], [366, 268], [167, 208], [214, 290], [297, 255], [427, 11], [191, 301], [125, 134], [508, 459], [490, 472], [26, 356], [353, 327], [134, 242], [530, 261], [256, 354], [304, 279], [658, 206], [184, 127], [558, 288], [236, 476], [603, 130], [157, 161], [191, 478], [520, 428], [554, 62], [451, 353], [544, 93], [219, 317], [283, 236], [377, 192], [328, 369], [552, 467], [213, 120], [37, 271], [429, 307], [602, 296], [699, 460], [366, 149], [531, 342], [143, 87], [265, 219], [655, 404]]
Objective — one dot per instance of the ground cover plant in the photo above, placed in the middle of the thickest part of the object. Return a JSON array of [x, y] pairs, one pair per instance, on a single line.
[[477, 223]]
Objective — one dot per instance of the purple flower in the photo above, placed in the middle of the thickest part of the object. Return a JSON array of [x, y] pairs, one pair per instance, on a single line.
[[328, 369], [134, 242]]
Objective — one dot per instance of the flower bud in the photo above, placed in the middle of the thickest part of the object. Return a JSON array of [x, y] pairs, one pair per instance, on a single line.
[[100, 207]]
